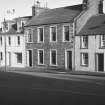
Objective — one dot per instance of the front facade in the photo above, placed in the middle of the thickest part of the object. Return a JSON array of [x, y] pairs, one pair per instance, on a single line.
[[90, 46], [50, 46], [50, 43], [12, 44]]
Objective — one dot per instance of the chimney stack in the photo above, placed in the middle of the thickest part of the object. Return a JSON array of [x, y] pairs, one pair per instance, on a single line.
[[101, 7]]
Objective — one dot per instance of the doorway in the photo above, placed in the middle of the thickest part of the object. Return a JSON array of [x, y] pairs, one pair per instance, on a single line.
[[69, 60], [29, 58], [100, 62]]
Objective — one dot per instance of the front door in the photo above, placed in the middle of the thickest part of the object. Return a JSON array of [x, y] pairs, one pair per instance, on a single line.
[[69, 60], [29, 58], [101, 62]]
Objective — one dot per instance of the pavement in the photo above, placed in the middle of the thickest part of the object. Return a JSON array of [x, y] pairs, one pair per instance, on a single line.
[[36, 88], [64, 76]]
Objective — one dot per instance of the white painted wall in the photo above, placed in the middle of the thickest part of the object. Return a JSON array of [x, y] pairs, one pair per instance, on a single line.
[[14, 48], [93, 48]]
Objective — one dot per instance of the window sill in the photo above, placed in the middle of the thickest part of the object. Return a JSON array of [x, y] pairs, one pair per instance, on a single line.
[[67, 41], [53, 65], [84, 48], [102, 47], [40, 42], [30, 42], [41, 64], [84, 65], [53, 41], [19, 63]]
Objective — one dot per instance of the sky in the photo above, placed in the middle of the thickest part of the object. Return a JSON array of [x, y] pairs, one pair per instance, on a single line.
[[23, 7]]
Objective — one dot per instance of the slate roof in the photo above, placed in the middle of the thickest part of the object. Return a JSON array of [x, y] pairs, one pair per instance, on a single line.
[[29, 17], [57, 15], [12, 31], [94, 26]]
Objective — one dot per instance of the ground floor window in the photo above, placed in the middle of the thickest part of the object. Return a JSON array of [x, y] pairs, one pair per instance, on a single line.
[[19, 57], [84, 59], [1, 56], [53, 57], [41, 57]]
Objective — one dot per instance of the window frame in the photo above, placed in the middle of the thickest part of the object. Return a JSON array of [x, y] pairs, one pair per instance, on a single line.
[[51, 57], [38, 35], [18, 40], [27, 32], [51, 39], [9, 40], [102, 41], [82, 43], [1, 40], [64, 33], [1, 56], [84, 60], [38, 52]]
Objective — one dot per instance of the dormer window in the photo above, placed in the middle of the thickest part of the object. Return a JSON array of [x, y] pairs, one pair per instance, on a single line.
[[5, 26], [85, 4], [20, 26]]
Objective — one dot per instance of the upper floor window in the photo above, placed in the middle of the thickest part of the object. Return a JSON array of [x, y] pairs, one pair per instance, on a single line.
[[66, 33], [1, 41], [1, 56], [102, 40], [40, 57], [53, 57], [84, 59], [9, 40], [18, 40], [84, 41], [53, 34], [29, 35], [41, 34]]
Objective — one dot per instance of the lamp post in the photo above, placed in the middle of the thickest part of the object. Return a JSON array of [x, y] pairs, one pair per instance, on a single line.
[[5, 44]]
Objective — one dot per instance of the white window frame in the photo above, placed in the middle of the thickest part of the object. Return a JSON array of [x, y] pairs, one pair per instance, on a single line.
[[39, 56], [102, 41], [83, 42], [1, 40], [9, 41], [27, 32], [18, 40], [51, 33], [1, 56], [82, 55], [51, 57], [64, 33], [38, 38]]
